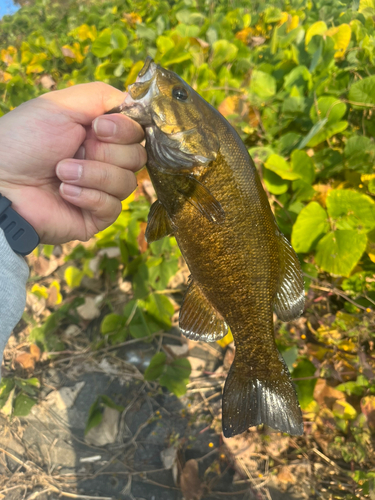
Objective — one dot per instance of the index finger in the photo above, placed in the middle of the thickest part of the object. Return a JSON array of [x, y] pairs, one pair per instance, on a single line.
[[84, 102]]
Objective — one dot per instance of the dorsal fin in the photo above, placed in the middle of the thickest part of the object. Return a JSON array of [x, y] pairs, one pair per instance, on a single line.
[[290, 297], [199, 320], [158, 223]]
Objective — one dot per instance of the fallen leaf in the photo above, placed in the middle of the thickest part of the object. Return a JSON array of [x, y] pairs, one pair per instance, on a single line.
[[285, 476], [47, 82], [368, 409], [325, 395], [26, 361], [169, 457], [191, 485], [65, 397], [35, 352], [142, 243], [106, 432], [89, 310]]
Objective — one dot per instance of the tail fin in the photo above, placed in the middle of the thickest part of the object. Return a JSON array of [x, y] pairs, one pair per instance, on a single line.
[[269, 399]]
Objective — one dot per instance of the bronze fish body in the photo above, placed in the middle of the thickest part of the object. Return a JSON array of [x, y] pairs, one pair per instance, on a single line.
[[211, 199]]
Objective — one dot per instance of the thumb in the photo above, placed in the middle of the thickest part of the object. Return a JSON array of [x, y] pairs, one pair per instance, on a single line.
[[84, 102]]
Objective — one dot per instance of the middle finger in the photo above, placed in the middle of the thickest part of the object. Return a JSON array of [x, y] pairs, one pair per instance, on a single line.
[[132, 157]]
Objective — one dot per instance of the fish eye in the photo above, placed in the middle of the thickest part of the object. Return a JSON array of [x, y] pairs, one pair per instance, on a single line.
[[179, 93]]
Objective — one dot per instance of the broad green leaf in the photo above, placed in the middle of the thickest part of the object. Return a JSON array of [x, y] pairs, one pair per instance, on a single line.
[[290, 356], [262, 84], [23, 405], [281, 167], [363, 92], [328, 107], [318, 28], [339, 251], [330, 129], [176, 376], [303, 166], [274, 183], [156, 366], [299, 77], [160, 308], [305, 388], [310, 226], [118, 39], [223, 52], [112, 323], [351, 210], [357, 144], [102, 46], [312, 133], [177, 387]]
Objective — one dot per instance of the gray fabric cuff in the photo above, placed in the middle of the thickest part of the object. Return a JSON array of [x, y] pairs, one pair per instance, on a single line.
[[14, 273]]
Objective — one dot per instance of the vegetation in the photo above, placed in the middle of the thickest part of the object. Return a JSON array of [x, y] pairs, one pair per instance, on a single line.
[[297, 80]]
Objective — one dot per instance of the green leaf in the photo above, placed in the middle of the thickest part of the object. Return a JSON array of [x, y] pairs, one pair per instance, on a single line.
[[274, 183], [223, 52], [160, 308], [281, 167], [351, 210], [330, 129], [313, 131], [303, 166], [310, 226], [156, 366], [328, 107], [95, 415], [118, 39], [305, 388], [112, 323], [290, 356], [363, 92], [176, 376], [262, 84], [338, 252], [102, 46], [23, 405], [299, 77]]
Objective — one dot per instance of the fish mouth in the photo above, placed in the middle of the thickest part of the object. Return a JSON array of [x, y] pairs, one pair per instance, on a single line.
[[137, 104]]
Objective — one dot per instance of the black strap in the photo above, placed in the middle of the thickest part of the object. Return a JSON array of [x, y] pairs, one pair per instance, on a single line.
[[21, 235]]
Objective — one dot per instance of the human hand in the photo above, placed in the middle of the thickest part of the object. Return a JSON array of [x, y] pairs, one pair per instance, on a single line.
[[66, 178]]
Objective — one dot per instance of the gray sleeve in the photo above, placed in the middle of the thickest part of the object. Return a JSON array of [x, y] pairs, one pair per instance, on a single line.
[[13, 276]]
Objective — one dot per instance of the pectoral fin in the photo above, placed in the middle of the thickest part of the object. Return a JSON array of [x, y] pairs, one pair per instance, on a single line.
[[158, 223], [290, 297], [201, 198], [199, 320]]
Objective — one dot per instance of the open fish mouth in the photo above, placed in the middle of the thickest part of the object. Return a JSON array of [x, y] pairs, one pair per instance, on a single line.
[[137, 104]]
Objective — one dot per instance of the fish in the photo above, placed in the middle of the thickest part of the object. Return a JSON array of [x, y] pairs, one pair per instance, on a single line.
[[242, 268]]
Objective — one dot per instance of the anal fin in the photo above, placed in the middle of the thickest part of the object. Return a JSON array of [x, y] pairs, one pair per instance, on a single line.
[[158, 223], [290, 297], [199, 320]]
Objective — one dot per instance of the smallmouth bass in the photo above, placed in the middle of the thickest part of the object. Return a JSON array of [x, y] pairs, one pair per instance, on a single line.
[[211, 199]]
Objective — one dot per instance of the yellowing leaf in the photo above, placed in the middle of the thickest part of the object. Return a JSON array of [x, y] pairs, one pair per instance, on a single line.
[[73, 276], [40, 291], [292, 23], [226, 340], [318, 28], [85, 32], [245, 35], [72, 53], [35, 65], [341, 36], [229, 106], [134, 73], [366, 4], [7, 55], [344, 410], [54, 296], [132, 18], [5, 76], [284, 18], [370, 249]]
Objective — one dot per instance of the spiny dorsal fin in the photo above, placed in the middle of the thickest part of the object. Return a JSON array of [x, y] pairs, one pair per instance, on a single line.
[[158, 223], [201, 198], [290, 297], [199, 320]]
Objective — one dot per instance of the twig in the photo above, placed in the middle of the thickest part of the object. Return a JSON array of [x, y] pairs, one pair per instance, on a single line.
[[328, 460], [336, 291], [27, 467]]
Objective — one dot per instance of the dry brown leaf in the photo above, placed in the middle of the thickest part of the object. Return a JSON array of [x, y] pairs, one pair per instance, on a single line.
[[285, 476], [325, 395], [47, 82], [191, 485], [26, 361], [229, 106], [368, 409], [35, 352], [142, 243]]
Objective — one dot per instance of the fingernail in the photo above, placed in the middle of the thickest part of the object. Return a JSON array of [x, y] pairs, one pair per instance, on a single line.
[[70, 190], [104, 127], [69, 171], [81, 153]]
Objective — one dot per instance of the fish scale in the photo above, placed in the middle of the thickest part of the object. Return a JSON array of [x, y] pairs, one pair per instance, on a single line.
[[211, 199]]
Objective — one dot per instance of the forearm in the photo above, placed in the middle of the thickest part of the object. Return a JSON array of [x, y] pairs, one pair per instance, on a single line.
[[13, 276]]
